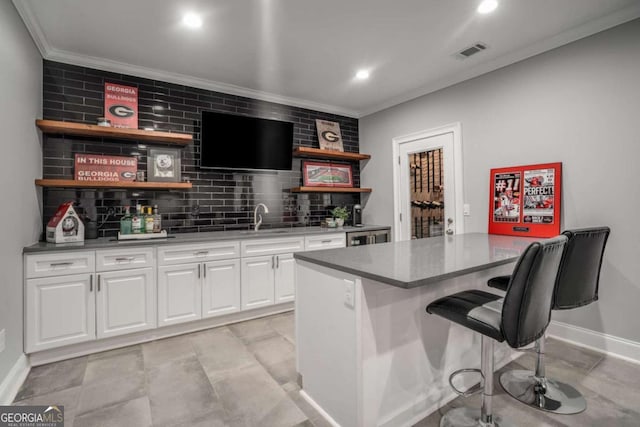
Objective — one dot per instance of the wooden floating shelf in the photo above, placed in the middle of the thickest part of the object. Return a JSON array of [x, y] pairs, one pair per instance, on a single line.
[[82, 129], [329, 190], [328, 154], [71, 183]]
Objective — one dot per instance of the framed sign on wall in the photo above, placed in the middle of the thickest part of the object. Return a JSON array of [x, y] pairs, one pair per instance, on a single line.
[[525, 200], [316, 174]]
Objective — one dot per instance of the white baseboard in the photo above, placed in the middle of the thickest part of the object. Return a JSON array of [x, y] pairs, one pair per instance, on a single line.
[[318, 408], [14, 379], [611, 345]]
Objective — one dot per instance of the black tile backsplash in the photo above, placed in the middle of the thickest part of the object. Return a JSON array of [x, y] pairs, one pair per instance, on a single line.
[[220, 199]]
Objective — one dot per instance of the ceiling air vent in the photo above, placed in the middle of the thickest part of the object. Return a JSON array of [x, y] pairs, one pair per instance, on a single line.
[[471, 50]]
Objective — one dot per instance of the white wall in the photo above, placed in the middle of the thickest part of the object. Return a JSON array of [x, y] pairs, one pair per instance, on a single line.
[[578, 104], [20, 164]]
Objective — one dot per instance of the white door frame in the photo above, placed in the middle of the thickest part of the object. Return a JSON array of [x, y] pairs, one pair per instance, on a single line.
[[453, 128]]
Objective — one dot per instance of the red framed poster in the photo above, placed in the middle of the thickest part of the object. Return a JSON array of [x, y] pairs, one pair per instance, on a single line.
[[317, 174], [525, 200], [121, 105]]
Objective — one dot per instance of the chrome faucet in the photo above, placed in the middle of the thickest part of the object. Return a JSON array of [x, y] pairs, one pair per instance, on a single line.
[[257, 221]]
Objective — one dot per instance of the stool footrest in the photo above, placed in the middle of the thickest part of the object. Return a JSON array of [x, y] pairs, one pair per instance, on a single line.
[[471, 391]]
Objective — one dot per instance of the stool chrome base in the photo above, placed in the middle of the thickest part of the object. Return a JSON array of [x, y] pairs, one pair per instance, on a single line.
[[470, 417], [549, 395]]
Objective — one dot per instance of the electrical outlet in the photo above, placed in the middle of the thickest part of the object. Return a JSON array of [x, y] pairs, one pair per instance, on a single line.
[[349, 293], [2, 340], [466, 209]]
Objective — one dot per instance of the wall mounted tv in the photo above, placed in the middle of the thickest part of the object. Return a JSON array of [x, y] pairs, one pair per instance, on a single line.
[[243, 142]]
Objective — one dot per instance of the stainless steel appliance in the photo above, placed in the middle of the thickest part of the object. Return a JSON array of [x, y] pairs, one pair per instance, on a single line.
[[357, 216], [357, 238]]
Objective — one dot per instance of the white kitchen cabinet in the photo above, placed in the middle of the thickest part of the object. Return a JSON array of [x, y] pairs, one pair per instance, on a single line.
[[60, 310], [201, 252], [179, 293], [325, 241], [118, 259], [285, 274], [221, 287], [59, 264], [269, 278], [125, 302], [258, 281]]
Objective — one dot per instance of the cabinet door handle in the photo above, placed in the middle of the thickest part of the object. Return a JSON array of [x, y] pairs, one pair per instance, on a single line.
[[129, 259], [198, 271], [91, 283], [98, 283], [273, 262], [204, 270], [61, 264], [277, 261]]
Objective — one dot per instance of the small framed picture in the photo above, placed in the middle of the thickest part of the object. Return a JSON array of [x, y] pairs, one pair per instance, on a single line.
[[317, 174], [163, 164]]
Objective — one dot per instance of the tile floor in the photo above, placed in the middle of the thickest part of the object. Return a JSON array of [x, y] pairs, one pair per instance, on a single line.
[[244, 375]]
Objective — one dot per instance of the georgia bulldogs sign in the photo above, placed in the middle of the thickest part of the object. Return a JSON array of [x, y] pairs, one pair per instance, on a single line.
[[121, 105]]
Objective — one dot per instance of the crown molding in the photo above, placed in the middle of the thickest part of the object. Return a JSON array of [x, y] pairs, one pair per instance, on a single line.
[[183, 79], [33, 26], [585, 30], [592, 27], [53, 54]]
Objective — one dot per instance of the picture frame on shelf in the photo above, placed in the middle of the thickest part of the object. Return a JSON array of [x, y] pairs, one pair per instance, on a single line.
[[164, 165], [329, 135], [327, 174]]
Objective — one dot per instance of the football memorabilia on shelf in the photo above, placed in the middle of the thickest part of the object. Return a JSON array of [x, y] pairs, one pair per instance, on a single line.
[[329, 135], [317, 174]]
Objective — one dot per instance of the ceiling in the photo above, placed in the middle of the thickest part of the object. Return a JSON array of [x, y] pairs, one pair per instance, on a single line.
[[306, 52]]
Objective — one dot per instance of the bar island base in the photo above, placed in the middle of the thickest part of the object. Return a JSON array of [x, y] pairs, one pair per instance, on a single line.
[[369, 355]]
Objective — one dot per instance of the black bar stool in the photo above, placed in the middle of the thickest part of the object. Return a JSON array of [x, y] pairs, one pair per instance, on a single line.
[[525, 314], [576, 285]]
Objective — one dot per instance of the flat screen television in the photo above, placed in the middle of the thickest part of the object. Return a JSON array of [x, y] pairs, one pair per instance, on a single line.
[[243, 142]]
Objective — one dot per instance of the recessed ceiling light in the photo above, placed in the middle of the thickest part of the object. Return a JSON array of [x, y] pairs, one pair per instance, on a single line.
[[362, 75], [192, 20], [487, 6]]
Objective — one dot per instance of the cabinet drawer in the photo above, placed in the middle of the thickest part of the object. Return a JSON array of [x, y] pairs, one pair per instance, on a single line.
[[118, 259], [59, 263], [325, 241], [260, 247], [182, 254]]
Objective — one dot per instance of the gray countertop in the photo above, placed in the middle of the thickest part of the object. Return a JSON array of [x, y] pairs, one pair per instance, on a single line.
[[414, 263], [179, 238]]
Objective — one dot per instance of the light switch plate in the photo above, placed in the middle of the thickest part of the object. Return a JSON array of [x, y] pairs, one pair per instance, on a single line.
[[2, 341], [466, 209], [349, 293]]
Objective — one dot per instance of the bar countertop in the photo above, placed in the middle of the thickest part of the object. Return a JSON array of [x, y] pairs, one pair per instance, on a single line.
[[185, 238], [414, 263]]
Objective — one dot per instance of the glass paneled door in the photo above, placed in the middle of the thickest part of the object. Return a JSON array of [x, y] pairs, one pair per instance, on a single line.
[[426, 193]]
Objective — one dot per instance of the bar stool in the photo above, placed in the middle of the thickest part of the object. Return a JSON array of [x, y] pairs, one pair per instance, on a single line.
[[576, 285], [525, 314]]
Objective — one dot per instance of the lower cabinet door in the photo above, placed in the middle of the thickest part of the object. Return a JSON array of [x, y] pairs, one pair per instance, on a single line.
[[179, 294], [257, 281], [59, 311], [221, 287], [126, 302], [285, 278]]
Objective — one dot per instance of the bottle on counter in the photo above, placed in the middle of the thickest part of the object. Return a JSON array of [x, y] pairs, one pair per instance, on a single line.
[[157, 220], [149, 221], [137, 222], [125, 221]]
